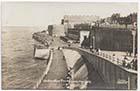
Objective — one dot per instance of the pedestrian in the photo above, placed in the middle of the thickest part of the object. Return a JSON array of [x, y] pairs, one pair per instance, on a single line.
[[134, 63], [130, 52], [128, 65], [90, 48], [127, 53], [69, 44], [113, 55], [124, 61], [64, 58], [99, 50]]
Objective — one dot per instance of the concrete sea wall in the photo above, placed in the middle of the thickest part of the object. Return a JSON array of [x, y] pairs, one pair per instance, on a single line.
[[114, 75], [79, 70]]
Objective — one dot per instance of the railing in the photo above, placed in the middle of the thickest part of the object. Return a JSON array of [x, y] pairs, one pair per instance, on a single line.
[[110, 58], [113, 59]]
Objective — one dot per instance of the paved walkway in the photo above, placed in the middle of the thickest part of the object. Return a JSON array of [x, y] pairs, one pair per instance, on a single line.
[[57, 42], [58, 71]]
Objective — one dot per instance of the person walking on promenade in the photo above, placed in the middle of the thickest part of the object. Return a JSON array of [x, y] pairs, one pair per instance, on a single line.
[[90, 48], [134, 63], [125, 61]]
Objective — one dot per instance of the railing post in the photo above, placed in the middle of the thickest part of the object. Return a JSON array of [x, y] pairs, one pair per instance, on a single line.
[[106, 55], [129, 83], [118, 61], [109, 57], [103, 54]]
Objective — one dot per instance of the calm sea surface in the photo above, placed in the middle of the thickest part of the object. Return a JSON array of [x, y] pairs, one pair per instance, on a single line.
[[19, 69]]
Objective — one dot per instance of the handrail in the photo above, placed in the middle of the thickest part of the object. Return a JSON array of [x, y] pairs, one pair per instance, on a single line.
[[117, 62], [113, 60]]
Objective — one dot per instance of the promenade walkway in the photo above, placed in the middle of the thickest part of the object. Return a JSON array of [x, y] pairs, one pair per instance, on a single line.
[[58, 71], [59, 66]]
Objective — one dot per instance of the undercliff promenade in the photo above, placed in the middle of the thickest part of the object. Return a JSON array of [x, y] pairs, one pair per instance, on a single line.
[[108, 69]]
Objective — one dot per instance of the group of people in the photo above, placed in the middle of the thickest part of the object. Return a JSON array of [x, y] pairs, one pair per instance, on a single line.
[[97, 50], [130, 64]]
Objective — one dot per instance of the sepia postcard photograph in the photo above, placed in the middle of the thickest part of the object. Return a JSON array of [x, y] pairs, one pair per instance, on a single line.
[[69, 45]]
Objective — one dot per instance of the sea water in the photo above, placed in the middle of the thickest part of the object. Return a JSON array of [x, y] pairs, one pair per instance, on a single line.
[[19, 69]]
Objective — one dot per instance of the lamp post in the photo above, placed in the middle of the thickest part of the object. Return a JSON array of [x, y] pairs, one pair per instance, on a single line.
[[134, 42]]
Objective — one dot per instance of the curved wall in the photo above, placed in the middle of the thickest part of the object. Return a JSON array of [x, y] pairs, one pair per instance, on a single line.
[[114, 75]]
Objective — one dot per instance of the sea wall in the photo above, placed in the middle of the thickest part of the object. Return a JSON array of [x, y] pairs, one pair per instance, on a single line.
[[75, 61], [79, 71], [114, 75]]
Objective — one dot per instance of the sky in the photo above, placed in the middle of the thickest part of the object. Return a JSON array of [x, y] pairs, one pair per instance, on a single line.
[[43, 13]]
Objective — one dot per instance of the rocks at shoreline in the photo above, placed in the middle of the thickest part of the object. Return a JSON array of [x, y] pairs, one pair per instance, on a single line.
[[42, 39]]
